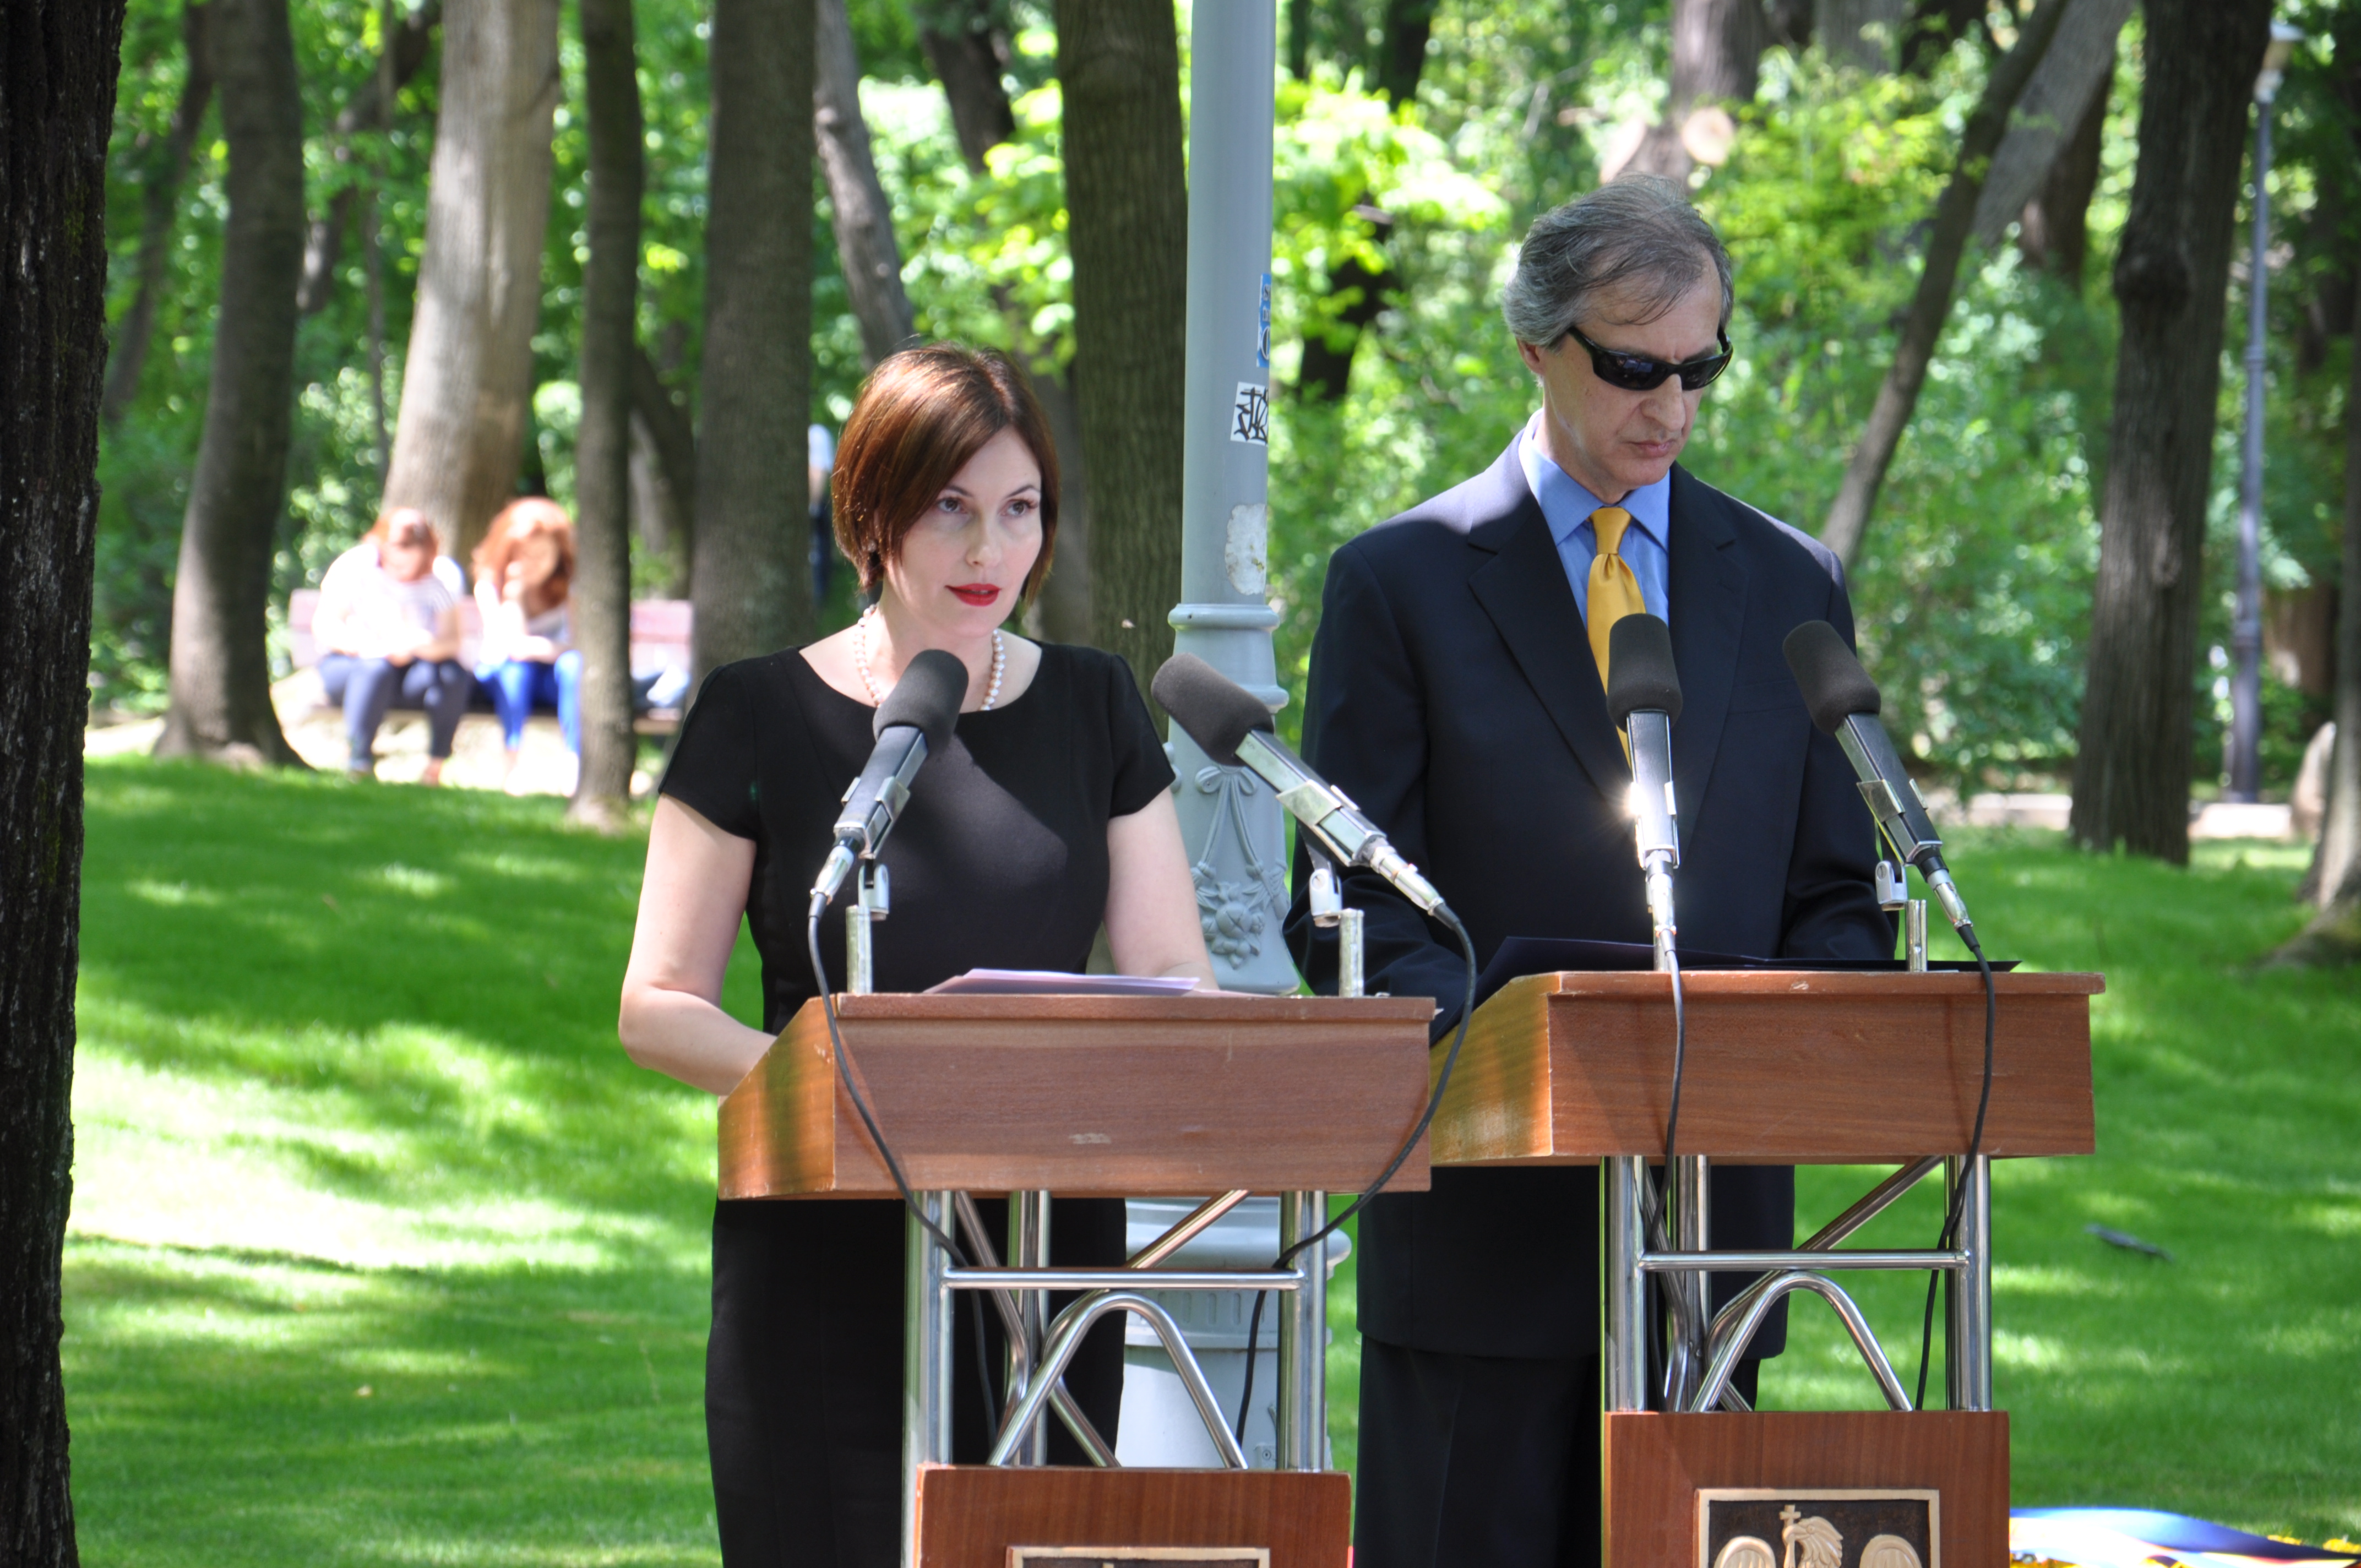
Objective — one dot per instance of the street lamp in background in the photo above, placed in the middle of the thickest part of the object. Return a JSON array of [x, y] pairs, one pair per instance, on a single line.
[[2246, 632]]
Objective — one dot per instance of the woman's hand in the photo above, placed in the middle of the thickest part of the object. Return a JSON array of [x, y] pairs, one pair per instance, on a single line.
[[1151, 910], [690, 902]]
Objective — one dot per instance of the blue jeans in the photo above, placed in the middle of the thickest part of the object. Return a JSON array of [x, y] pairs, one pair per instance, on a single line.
[[367, 687], [521, 684]]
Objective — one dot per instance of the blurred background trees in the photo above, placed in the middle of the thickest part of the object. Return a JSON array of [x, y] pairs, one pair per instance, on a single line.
[[927, 190]]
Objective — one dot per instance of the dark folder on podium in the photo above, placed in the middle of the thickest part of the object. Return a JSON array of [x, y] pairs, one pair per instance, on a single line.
[[1521, 956]]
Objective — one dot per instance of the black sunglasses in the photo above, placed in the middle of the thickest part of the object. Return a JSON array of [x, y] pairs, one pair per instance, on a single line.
[[1638, 373]]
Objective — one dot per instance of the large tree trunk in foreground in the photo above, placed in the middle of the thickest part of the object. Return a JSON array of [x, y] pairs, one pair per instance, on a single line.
[[2131, 777], [1717, 58], [220, 669], [1127, 216], [2052, 114], [160, 205], [468, 378], [1930, 306], [968, 54], [57, 101], [865, 247], [371, 109], [749, 587], [602, 447]]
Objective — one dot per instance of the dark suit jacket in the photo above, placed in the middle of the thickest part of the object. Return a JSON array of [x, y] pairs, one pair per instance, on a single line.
[[1454, 695]]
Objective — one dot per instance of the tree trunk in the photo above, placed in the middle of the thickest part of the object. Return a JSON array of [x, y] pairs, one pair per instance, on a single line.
[[1930, 306], [58, 70], [1717, 58], [602, 444], [1789, 22], [2054, 231], [750, 586], [663, 444], [1355, 294], [968, 54], [2131, 776], [1065, 602], [2053, 115], [406, 49], [1866, 33], [1933, 27], [220, 669], [865, 247], [468, 378], [1298, 40], [160, 205], [1127, 215]]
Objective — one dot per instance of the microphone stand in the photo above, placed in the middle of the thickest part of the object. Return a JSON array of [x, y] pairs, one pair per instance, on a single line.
[[1328, 912], [871, 903]]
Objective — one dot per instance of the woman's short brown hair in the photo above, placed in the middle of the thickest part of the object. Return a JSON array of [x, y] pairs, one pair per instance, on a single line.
[[518, 521], [921, 415], [400, 525]]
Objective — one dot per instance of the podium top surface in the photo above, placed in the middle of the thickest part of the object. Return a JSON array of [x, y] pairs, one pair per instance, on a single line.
[[1138, 1096], [1783, 1067]]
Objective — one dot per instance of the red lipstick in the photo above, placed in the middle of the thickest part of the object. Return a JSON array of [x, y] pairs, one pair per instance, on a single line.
[[977, 593]]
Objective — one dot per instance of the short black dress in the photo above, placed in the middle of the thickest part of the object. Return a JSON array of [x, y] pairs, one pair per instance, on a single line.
[[999, 861]]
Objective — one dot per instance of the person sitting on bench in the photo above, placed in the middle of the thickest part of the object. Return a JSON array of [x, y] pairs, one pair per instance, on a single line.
[[524, 574], [387, 627]]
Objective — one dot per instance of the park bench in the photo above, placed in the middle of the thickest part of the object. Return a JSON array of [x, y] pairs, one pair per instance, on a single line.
[[660, 641]]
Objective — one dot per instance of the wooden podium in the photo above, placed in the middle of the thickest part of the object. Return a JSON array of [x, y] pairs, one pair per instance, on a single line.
[[1786, 1067], [1090, 1095]]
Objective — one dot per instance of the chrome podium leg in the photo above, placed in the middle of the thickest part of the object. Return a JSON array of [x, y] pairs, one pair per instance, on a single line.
[[1691, 1217], [1622, 1183], [1028, 1247], [1967, 1320], [925, 1360], [1304, 1339]]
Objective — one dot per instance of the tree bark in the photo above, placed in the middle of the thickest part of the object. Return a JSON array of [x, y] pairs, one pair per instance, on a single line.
[[1065, 602], [602, 444], [1867, 33], [2052, 115], [160, 205], [865, 247], [1127, 215], [749, 586], [665, 504], [1298, 40], [371, 109], [968, 54], [220, 670], [58, 65], [1358, 292], [2131, 775], [1930, 305], [1789, 22], [467, 380], [2054, 231], [1717, 58]]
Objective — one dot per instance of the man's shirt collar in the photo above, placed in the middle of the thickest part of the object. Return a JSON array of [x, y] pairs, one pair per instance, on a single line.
[[1567, 504]]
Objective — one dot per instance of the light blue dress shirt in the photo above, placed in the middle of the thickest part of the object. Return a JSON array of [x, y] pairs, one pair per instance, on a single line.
[[1567, 505]]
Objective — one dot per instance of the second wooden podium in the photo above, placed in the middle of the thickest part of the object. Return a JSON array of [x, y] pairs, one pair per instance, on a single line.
[[1084, 1095]]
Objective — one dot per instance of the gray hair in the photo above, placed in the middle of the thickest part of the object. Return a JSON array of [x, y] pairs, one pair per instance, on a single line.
[[1638, 231]]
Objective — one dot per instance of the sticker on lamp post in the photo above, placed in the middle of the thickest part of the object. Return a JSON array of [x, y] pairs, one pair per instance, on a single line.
[[1250, 415]]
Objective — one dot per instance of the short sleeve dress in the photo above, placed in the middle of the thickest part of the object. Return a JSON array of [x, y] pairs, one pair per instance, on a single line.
[[998, 862]]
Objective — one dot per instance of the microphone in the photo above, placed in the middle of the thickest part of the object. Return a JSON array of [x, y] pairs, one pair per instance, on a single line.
[[1231, 726], [913, 722], [1643, 697], [1844, 703]]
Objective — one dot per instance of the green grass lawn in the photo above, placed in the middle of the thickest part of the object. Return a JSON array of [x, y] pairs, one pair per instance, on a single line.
[[382, 1252]]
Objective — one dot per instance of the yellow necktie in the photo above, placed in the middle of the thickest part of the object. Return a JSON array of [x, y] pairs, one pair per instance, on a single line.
[[1614, 590]]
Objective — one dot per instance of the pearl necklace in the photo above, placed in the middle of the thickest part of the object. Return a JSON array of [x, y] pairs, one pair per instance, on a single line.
[[876, 698]]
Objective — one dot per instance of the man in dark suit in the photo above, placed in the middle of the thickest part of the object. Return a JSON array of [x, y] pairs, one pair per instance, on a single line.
[[1458, 693]]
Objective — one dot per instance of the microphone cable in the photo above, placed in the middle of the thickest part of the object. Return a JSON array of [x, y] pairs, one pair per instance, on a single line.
[[1975, 1145], [885, 1150], [1445, 912]]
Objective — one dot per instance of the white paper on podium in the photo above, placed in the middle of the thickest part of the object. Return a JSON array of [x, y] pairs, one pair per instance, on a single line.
[[1050, 982]]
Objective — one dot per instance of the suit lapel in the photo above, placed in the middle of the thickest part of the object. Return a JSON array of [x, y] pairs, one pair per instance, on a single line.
[[1708, 604], [1523, 589]]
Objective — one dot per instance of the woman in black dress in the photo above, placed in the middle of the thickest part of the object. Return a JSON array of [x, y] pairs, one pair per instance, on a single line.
[[1048, 815]]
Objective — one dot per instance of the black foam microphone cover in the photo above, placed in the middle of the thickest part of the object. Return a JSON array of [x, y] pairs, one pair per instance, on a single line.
[[1215, 710], [927, 698], [1641, 677], [1835, 686]]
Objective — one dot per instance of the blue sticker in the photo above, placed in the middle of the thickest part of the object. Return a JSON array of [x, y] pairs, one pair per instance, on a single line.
[[1262, 330]]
